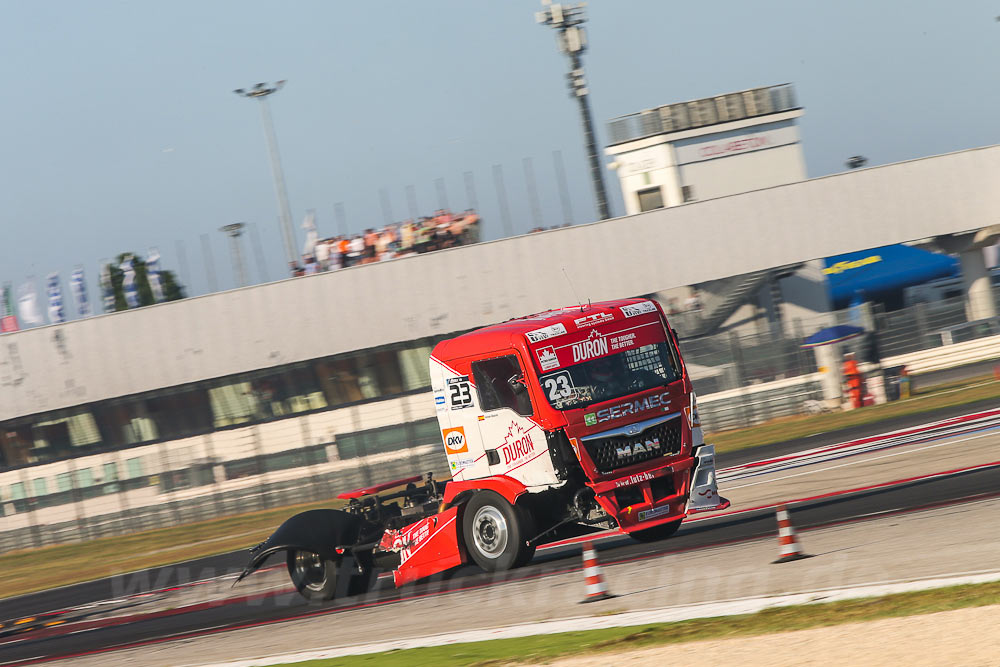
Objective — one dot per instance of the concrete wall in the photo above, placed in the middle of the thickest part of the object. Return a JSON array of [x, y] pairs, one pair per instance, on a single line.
[[304, 318]]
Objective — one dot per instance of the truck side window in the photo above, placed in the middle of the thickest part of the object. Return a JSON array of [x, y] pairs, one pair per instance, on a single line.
[[495, 386]]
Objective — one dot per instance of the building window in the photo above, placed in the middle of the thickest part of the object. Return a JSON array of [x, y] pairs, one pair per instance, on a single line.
[[85, 477], [128, 422], [499, 383], [64, 481], [40, 487], [180, 412], [15, 446], [687, 192], [133, 468], [59, 436], [266, 395], [17, 491], [413, 365], [340, 380], [650, 198]]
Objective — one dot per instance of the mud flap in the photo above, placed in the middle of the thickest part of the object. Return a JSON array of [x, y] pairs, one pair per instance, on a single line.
[[427, 547], [704, 496], [318, 531]]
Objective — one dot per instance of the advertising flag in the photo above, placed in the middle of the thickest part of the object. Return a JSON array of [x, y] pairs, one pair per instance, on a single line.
[[56, 312], [128, 283], [153, 274], [79, 287], [8, 318], [27, 304], [107, 291]]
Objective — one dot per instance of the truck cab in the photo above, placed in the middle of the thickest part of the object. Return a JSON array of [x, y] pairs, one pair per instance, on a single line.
[[582, 414]]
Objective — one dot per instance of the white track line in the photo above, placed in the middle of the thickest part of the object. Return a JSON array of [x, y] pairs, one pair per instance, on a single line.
[[642, 617], [867, 460]]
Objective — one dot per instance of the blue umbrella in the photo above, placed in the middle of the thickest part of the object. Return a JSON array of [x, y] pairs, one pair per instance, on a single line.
[[831, 335]]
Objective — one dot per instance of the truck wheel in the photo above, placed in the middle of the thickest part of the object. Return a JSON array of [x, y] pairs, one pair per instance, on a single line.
[[318, 579], [496, 532], [656, 533], [314, 577]]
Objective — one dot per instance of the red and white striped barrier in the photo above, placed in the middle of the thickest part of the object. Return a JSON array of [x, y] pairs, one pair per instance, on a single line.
[[787, 539], [596, 588]]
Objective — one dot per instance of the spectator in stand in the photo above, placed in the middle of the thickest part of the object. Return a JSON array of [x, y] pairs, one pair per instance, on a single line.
[[424, 234], [370, 240], [356, 250], [333, 251], [343, 249], [442, 230], [323, 254], [470, 234], [406, 237], [383, 244]]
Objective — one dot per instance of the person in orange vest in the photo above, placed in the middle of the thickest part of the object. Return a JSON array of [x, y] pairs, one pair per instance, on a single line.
[[852, 377]]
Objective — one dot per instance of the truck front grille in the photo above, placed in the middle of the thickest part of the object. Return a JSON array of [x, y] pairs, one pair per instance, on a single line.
[[620, 451]]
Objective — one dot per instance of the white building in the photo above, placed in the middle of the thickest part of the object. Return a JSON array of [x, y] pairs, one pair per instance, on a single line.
[[707, 148]]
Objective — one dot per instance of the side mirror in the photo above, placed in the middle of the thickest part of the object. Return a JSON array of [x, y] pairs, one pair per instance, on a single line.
[[516, 383]]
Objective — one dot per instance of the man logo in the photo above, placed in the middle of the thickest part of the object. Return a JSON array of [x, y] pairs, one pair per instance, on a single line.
[[454, 440], [649, 446]]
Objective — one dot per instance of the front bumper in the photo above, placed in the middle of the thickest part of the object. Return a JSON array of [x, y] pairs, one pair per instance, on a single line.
[[664, 494]]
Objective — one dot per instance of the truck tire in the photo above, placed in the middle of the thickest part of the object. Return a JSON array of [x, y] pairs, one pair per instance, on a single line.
[[656, 533], [319, 579], [496, 532]]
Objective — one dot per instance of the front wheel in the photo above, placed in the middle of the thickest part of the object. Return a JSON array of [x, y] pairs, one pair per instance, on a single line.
[[496, 532], [656, 533], [316, 578]]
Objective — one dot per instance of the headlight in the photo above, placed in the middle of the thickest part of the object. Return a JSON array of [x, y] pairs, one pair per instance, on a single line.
[[691, 411]]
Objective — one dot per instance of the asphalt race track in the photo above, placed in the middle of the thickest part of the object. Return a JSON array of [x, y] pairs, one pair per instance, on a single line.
[[45, 644]]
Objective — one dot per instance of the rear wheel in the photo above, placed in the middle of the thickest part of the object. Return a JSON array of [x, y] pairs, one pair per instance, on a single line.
[[317, 578], [496, 532], [656, 533]]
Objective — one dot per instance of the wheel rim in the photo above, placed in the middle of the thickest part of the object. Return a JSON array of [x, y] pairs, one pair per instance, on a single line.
[[310, 569], [489, 530]]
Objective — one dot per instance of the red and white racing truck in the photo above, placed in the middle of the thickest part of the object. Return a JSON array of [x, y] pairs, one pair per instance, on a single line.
[[582, 415]]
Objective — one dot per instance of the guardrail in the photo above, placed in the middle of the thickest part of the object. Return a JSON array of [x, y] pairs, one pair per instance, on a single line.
[[754, 404], [947, 356]]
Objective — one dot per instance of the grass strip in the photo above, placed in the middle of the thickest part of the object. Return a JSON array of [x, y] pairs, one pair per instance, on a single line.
[[49, 567], [542, 648], [105, 557], [800, 426]]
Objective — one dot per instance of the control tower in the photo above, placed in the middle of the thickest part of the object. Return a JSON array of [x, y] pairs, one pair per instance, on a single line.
[[707, 148]]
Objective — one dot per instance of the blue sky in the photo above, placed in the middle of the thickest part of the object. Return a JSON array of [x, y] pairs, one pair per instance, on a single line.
[[120, 130]]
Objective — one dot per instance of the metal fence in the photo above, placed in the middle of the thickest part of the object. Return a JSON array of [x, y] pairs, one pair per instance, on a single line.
[[103, 510], [751, 378]]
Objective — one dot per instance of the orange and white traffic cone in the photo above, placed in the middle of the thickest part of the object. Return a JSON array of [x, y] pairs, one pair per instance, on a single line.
[[596, 588], [787, 539]]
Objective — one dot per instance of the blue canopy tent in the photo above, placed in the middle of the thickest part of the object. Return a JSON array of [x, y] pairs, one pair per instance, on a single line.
[[831, 335], [882, 273]]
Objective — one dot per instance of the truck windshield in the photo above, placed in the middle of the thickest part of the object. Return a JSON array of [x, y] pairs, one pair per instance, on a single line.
[[610, 377]]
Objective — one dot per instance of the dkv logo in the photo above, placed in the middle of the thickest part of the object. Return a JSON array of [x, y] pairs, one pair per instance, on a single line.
[[454, 440]]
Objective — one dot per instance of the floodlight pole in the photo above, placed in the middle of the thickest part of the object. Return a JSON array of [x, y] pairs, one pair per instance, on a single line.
[[234, 231], [568, 20], [261, 92]]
